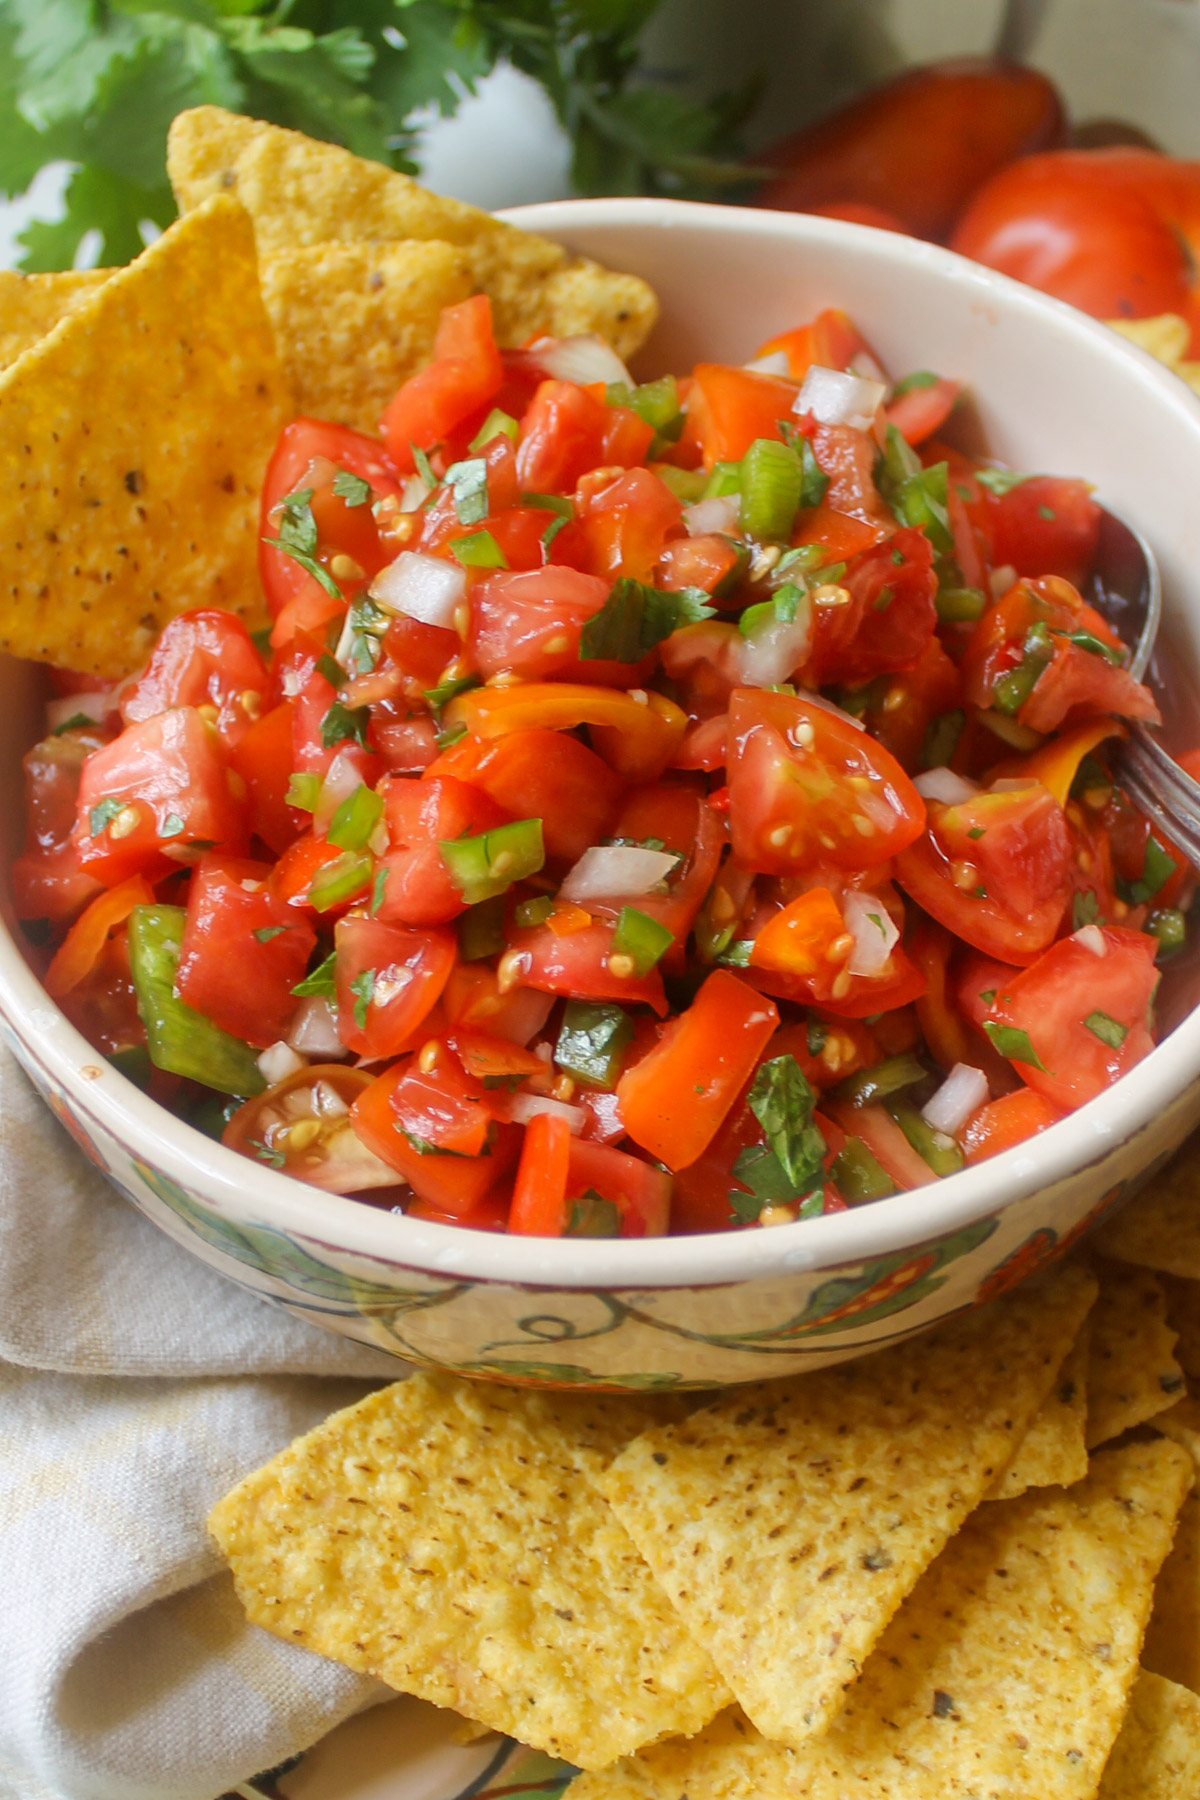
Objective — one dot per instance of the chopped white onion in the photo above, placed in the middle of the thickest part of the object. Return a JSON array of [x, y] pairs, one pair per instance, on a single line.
[[873, 929], [580, 359], [811, 698], [944, 785], [278, 1061], [962, 1093], [346, 1166], [95, 707], [342, 778], [616, 869], [414, 494], [774, 363], [1090, 937], [838, 399], [314, 1030], [523, 1107], [327, 1102], [718, 514], [1001, 579], [423, 587], [775, 650], [863, 363]]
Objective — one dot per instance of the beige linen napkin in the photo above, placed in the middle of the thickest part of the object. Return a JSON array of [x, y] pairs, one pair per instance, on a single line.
[[136, 1386]]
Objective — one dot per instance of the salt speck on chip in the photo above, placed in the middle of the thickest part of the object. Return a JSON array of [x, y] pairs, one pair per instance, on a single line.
[[444, 1536], [788, 1520]]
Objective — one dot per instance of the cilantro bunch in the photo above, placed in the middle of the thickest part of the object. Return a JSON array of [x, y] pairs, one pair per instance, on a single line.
[[97, 83]]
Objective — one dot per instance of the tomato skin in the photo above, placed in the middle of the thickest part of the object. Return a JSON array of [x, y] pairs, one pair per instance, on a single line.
[[546, 775], [1047, 525], [789, 765], [1051, 1000], [1007, 1121], [620, 527], [674, 1099], [729, 408], [410, 970], [472, 998], [1113, 231], [918, 146], [847, 457], [1079, 685], [863, 638], [637, 734], [48, 880], [263, 759], [202, 657], [562, 438], [337, 1160], [170, 768], [452, 1186], [420, 815], [922, 411], [539, 1200], [465, 374], [239, 981], [531, 622], [303, 444], [576, 965], [708, 561]]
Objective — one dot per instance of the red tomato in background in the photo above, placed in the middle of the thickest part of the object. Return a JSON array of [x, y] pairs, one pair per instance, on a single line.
[[244, 949], [1114, 231], [918, 146]]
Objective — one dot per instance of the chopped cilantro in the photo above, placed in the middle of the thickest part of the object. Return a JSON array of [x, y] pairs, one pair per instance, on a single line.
[[1014, 1043], [362, 986], [999, 481], [102, 814], [1110, 1031], [344, 722], [264, 933], [635, 617], [351, 488], [467, 481], [319, 980], [297, 538]]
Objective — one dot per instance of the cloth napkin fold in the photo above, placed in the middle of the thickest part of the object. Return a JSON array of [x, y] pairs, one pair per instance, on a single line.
[[136, 1386]]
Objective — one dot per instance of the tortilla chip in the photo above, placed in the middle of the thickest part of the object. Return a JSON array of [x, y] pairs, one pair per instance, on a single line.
[[1172, 1646], [1166, 336], [134, 438], [1182, 1423], [353, 321], [1006, 1671], [32, 305], [1160, 1228], [1157, 1756], [1183, 1316], [443, 1535], [301, 192], [789, 1519], [1132, 1371], [1054, 1450]]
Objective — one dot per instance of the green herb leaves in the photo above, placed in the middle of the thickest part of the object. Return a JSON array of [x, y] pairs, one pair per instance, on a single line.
[[297, 538], [789, 1165], [1010, 1041], [635, 617]]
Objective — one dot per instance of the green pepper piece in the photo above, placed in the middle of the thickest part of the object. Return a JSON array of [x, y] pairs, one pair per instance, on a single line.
[[771, 481], [641, 938], [1013, 688], [356, 818], [488, 863], [943, 1155], [481, 930], [341, 879], [890, 1077], [726, 478], [1169, 926], [592, 1043], [133, 1061], [858, 1175], [178, 1037]]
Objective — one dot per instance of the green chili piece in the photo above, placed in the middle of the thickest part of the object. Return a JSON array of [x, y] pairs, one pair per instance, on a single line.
[[178, 1037], [943, 1155], [479, 550], [890, 1077], [304, 790], [496, 423], [491, 861], [356, 818], [772, 479], [481, 930], [1169, 926], [858, 1175], [641, 938], [593, 1216], [960, 605], [726, 478], [340, 880], [1013, 688], [592, 1043]]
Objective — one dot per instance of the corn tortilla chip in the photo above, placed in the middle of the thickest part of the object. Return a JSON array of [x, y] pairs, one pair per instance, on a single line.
[[444, 1536], [1005, 1673], [788, 1520], [353, 321], [1172, 1646], [1132, 1371], [1183, 1316], [1157, 1756], [1160, 1228], [134, 437], [302, 192], [32, 305], [1053, 1452], [1182, 1423]]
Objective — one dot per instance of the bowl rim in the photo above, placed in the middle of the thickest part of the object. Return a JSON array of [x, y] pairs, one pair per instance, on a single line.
[[350, 1228]]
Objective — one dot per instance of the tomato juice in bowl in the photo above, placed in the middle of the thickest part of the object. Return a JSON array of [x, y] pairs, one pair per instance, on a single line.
[[1054, 393]]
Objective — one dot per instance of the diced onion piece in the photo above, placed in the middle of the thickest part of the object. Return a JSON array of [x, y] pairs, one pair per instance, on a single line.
[[873, 930], [863, 363], [962, 1093], [341, 780], [774, 363], [314, 1030], [346, 1166], [1090, 937], [523, 1107], [777, 649], [95, 707], [944, 785], [838, 399], [278, 1061], [718, 514], [423, 587], [414, 494], [1001, 579], [616, 869], [580, 359]]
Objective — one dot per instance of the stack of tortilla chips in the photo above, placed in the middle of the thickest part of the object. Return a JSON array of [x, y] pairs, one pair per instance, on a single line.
[[964, 1566], [139, 407]]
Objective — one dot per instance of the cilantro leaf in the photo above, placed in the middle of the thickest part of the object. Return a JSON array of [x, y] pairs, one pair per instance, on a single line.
[[319, 980], [353, 489], [342, 722], [363, 988], [635, 617], [1000, 481], [783, 1103]]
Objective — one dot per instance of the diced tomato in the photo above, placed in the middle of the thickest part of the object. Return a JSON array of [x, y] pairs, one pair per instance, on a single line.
[[798, 955], [453, 1186], [911, 700], [729, 408], [888, 621], [328, 1154], [520, 534], [308, 455], [293, 874], [807, 787], [264, 760], [388, 979], [681, 819], [1005, 1122], [472, 997], [406, 740], [884, 1139], [440, 522], [244, 949], [930, 947], [640, 1192], [562, 438], [1046, 525], [465, 375], [164, 785], [620, 527], [847, 456], [710, 561], [49, 880], [201, 659], [831, 341], [530, 623], [487, 1058], [83, 945], [1085, 1015], [539, 1201], [636, 733], [546, 775], [421, 815], [577, 965], [674, 1099], [922, 411], [842, 534], [1081, 684]]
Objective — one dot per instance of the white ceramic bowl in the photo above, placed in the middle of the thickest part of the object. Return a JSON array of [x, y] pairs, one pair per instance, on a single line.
[[1056, 393]]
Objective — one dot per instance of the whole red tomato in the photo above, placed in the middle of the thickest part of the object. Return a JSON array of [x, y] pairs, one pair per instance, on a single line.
[[1116, 232], [917, 147]]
